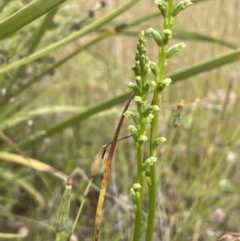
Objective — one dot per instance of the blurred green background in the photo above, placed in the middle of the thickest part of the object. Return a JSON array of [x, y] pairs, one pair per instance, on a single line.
[[61, 113]]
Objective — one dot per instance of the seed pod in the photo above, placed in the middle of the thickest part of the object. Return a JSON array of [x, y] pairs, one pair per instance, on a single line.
[[98, 161]]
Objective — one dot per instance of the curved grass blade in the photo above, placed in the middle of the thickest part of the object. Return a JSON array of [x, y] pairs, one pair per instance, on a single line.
[[206, 65], [32, 163], [22, 116], [189, 35], [26, 15]]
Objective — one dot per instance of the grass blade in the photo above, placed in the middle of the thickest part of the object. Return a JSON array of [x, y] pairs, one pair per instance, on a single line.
[[206, 65], [26, 15], [32, 163]]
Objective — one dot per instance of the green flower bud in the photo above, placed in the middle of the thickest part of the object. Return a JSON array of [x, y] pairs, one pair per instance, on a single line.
[[136, 187], [132, 115], [165, 83], [149, 162], [140, 103], [135, 195], [152, 85], [147, 68], [159, 141], [154, 68], [156, 35], [142, 138], [133, 130], [149, 118], [146, 88], [138, 80], [154, 107], [133, 87], [174, 49], [162, 6], [135, 70], [180, 6], [167, 34], [152, 160], [138, 99]]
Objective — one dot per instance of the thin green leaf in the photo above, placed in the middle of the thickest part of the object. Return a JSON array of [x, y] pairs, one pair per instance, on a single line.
[[206, 65], [31, 163], [26, 15], [189, 35], [24, 116]]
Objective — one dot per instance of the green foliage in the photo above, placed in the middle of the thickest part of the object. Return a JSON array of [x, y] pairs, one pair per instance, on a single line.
[[55, 116]]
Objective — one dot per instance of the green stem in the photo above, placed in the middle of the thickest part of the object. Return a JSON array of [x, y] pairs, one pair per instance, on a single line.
[[58, 236], [138, 212], [81, 206], [153, 133], [152, 185]]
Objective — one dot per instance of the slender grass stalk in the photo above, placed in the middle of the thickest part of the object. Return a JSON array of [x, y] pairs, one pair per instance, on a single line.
[[81, 207]]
